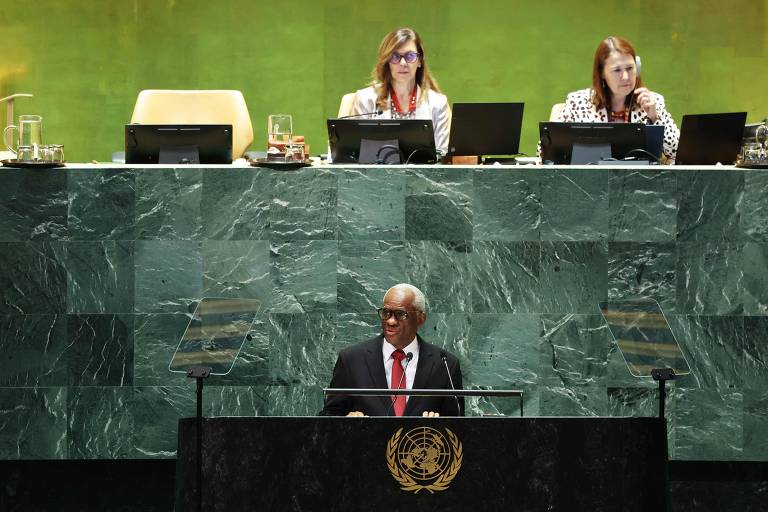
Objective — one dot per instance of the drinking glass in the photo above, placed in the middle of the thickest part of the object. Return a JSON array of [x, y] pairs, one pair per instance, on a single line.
[[280, 128]]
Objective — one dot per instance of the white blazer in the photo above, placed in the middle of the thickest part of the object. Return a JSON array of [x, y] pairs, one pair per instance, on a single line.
[[434, 107]]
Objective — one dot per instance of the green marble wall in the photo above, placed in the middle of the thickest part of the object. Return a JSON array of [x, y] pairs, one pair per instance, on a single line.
[[86, 61], [100, 269]]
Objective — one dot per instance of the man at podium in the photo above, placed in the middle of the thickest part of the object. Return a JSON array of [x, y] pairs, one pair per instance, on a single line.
[[398, 358]]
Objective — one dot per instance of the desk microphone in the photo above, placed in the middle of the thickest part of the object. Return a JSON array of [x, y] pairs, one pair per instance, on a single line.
[[374, 113], [448, 371], [408, 358]]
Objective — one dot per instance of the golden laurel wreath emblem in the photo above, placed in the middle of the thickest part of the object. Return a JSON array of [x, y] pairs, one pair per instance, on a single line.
[[423, 458]]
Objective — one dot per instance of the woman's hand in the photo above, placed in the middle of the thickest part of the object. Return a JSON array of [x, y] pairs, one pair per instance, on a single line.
[[646, 101]]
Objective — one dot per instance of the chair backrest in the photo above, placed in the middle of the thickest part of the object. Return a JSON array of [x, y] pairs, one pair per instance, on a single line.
[[347, 105], [159, 106], [557, 111]]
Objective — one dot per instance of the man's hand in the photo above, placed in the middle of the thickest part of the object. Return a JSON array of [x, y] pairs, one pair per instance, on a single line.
[[357, 414], [430, 414]]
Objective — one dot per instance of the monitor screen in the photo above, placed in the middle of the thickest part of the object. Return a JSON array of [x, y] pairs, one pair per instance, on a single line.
[[709, 139], [591, 143], [486, 129], [381, 141], [178, 144]]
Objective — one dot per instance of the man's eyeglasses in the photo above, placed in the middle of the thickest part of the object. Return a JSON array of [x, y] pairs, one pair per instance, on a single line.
[[399, 314], [410, 57]]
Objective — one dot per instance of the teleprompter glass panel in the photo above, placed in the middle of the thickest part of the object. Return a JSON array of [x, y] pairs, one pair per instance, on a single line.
[[215, 334], [642, 333]]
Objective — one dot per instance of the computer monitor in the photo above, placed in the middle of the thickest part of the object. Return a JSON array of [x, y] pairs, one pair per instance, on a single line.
[[591, 143], [178, 144], [708, 139], [486, 129], [381, 141]]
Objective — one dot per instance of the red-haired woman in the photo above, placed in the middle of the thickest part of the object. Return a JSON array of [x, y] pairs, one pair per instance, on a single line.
[[403, 88], [617, 95]]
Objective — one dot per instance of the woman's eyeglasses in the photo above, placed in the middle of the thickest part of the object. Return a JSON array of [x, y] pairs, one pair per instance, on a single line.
[[410, 57]]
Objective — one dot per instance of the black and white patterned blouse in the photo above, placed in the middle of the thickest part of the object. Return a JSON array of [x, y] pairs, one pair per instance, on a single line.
[[580, 109]]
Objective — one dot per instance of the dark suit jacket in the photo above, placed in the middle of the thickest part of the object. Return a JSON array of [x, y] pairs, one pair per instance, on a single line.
[[362, 366]]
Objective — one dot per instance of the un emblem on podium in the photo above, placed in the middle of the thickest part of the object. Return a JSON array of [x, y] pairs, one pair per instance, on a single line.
[[424, 458]]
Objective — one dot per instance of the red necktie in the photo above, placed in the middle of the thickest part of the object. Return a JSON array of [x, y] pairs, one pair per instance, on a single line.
[[398, 381]]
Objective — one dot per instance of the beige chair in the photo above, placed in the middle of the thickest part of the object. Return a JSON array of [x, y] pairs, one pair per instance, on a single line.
[[557, 111], [158, 106], [346, 108]]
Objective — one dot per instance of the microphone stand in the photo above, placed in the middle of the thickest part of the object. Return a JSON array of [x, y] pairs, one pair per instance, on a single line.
[[199, 373]]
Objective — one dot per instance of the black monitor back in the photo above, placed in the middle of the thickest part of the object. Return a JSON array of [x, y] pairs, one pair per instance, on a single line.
[[178, 144], [708, 139], [598, 141], [366, 141], [486, 129]]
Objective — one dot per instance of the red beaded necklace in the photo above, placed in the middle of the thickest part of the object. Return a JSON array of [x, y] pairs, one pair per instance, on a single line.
[[411, 103]]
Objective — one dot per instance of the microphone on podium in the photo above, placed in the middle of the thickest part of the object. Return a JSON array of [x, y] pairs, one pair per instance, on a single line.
[[448, 371], [374, 113], [408, 358]]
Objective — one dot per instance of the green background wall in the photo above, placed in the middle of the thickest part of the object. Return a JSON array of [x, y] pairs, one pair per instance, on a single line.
[[85, 62]]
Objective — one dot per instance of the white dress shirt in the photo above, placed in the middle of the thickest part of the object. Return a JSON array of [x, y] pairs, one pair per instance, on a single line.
[[410, 369]]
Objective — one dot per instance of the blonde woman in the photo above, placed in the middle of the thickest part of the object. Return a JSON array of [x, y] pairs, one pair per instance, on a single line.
[[403, 87]]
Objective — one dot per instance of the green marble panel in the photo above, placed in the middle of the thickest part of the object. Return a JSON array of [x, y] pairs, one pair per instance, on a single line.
[[443, 271], [753, 207], [755, 424], [303, 276], [504, 352], [237, 269], [643, 270], [100, 277], [33, 348], [642, 205], [506, 277], [155, 338], [710, 278], [709, 205], [301, 349], [155, 412], [755, 370], [507, 205], [587, 400], [168, 276], [574, 204], [573, 350], [573, 276], [34, 423], [235, 204], [304, 205], [235, 400], [294, 400], [449, 331], [714, 347], [100, 351], [32, 278], [755, 265], [438, 204], [638, 402], [168, 204], [101, 204], [708, 425], [503, 406], [353, 328], [365, 271], [33, 205], [371, 204], [100, 423]]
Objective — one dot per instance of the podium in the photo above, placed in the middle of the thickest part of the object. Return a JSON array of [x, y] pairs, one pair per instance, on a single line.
[[440, 464]]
